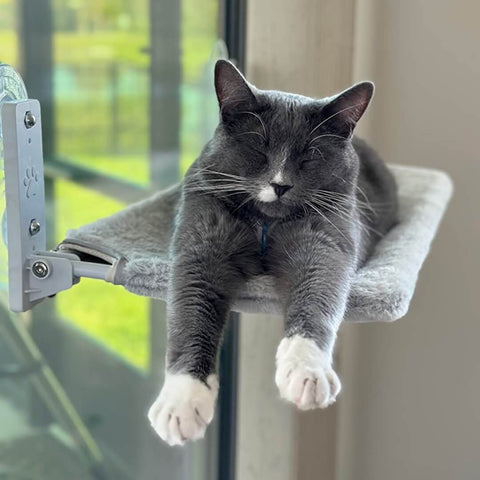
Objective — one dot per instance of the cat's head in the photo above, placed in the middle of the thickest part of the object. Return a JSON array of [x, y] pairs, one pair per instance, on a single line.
[[277, 150]]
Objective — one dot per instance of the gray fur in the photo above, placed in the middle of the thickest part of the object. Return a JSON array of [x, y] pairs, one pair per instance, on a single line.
[[341, 200]]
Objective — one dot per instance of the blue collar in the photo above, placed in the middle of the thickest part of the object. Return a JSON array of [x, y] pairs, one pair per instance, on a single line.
[[263, 245]]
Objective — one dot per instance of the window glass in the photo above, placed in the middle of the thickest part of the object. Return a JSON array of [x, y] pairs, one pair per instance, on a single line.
[[107, 312], [9, 55], [97, 338], [102, 81], [199, 105], [101, 97], [8, 34], [101, 85]]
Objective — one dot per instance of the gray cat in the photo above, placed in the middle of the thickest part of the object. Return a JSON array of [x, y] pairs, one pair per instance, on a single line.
[[282, 188]]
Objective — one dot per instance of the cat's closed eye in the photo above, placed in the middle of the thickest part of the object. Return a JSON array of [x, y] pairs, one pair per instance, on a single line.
[[256, 145], [260, 155], [311, 159], [308, 162]]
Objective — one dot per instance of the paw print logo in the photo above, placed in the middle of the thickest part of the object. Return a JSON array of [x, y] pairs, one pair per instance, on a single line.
[[30, 181]]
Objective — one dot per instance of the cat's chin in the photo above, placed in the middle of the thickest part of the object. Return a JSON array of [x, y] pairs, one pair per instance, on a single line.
[[274, 209]]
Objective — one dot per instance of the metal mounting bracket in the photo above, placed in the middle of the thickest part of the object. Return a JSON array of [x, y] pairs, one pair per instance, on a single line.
[[33, 272]]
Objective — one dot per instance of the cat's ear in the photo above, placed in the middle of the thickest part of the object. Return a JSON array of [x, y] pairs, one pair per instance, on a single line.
[[343, 112], [233, 91]]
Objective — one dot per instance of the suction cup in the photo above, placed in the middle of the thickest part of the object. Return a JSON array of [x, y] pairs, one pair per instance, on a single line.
[[11, 88]]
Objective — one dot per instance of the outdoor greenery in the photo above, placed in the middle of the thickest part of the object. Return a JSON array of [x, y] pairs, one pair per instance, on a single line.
[[101, 79], [108, 312]]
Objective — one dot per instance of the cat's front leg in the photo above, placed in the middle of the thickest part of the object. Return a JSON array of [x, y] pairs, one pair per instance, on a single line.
[[212, 259], [313, 276]]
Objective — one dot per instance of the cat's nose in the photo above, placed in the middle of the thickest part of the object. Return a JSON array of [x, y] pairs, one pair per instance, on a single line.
[[280, 189]]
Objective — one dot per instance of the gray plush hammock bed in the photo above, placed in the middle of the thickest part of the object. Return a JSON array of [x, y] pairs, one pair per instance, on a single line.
[[135, 242]]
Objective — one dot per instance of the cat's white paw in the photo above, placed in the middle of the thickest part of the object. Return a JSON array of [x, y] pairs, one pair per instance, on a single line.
[[184, 408], [304, 374]]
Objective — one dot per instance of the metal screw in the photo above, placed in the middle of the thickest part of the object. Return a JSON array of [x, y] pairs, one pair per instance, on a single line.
[[40, 269], [34, 227], [30, 119]]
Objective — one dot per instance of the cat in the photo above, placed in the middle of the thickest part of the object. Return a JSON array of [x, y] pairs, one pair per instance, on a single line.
[[283, 188]]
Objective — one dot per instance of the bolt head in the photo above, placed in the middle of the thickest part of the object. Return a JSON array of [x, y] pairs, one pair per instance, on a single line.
[[40, 269], [30, 119], [34, 227]]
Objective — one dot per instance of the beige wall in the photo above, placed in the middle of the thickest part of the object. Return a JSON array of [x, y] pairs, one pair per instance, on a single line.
[[303, 46], [411, 402], [410, 408]]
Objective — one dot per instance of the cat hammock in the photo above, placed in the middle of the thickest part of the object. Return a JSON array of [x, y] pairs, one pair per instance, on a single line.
[[130, 248], [135, 243]]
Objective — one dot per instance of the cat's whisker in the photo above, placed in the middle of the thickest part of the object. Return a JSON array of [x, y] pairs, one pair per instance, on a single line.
[[199, 171], [357, 187], [343, 201], [214, 186], [223, 187], [326, 135], [366, 208], [215, 189], [349, 197], [212, 178], [318, 150], [248, 199], [225, 174], [346, 202], [331, 202], [338, 206], [345, 215], [354, 223], [261, 122], [328, 220], [226, 195], [338, 195], [332, 192], [341, 209], [250, 132], [220, 183], [348, 217], [220, 180]]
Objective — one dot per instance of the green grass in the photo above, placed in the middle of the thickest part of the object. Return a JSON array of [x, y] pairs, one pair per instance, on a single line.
[[108, 312], [8, 47], [134, 168], [87, 48]]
